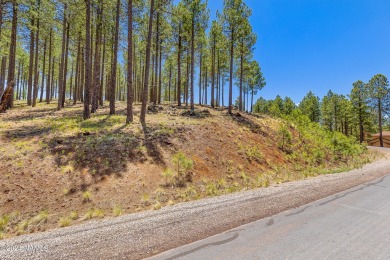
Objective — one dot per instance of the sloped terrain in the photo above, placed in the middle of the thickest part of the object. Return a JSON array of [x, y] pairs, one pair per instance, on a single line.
[[58, 170]]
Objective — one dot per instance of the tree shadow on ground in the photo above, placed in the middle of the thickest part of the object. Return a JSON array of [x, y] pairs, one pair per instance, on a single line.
[[26, 132], [108, 154]]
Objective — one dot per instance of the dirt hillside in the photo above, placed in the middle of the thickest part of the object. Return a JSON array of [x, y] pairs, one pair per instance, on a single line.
[[58, 170]]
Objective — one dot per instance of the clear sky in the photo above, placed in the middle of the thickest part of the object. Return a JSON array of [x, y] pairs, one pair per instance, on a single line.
[[318, 44]]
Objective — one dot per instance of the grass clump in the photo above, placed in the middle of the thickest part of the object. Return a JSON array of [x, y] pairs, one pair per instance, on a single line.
[[94, 213], [67, 169], [23, 225], [157, 205], [40, 218], [117, 210], [64, 221], [4, 220], [253, 153], [145, 199], [87, 196], [74, 215]]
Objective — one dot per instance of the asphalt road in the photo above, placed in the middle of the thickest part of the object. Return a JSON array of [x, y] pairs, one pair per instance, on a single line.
[[354, 224]]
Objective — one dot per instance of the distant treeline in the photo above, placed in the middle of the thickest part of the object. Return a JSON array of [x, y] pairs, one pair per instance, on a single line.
[[365, 109]]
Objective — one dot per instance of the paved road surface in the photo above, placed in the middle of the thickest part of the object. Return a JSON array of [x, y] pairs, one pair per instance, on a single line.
[[354, 224]]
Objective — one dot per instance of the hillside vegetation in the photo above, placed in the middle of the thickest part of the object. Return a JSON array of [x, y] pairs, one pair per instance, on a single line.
[[58, 170]]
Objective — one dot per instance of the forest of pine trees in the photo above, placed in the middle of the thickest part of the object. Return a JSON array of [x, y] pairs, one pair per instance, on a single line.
[[365, 110], [143, 51]]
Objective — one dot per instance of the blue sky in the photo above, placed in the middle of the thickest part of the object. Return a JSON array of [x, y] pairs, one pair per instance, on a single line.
[[318, 44]]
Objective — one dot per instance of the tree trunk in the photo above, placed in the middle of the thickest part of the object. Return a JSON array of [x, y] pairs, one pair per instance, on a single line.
[[213, 72], [380, 122], [155, 88], [115, 61], [2, 74], [62, 62], [77, 79], [159, 76], [8, 96], [179, 70], [361, 130], [169, 83], [43, 71], [200, 76], [129, 116], [192, 62], [87, 99], [96, 85], [71, 81], [18, 82], [82, 75], [205, 88], [147, 64], [102, 73], [223, 85], [187, 79], [52, 82], [1, 20], [36, 65], [241, 76], [49, 70], [252, 101], [31, 64], [66, 58], [231, 72]]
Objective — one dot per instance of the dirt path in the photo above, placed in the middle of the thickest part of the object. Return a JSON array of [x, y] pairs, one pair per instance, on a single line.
[[144, 234]]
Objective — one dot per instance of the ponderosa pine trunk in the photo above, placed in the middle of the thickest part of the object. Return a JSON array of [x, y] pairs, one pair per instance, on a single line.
[[102, 73], [380, 122], [156, 57], [192, 107], [159, 76], [87, 99], [115, 60], [62, 62], [96, 71], [213, 72], [77, 79], [48, 80], [18, 81], [241, 76], [1, 16], [361, 130], [179, 70], [71, 81], [2, 74], [200, 76], [31, 64], [43, 71], [12, 55], [231, 72], [147, 65], [66, 58], [129, 116], [36, 64]]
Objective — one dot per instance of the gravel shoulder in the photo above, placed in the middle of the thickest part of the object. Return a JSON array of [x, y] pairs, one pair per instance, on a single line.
[[140, 235]]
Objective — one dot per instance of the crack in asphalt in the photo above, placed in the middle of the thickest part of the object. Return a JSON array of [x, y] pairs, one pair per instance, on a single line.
[[298, 212], [218, 243]]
